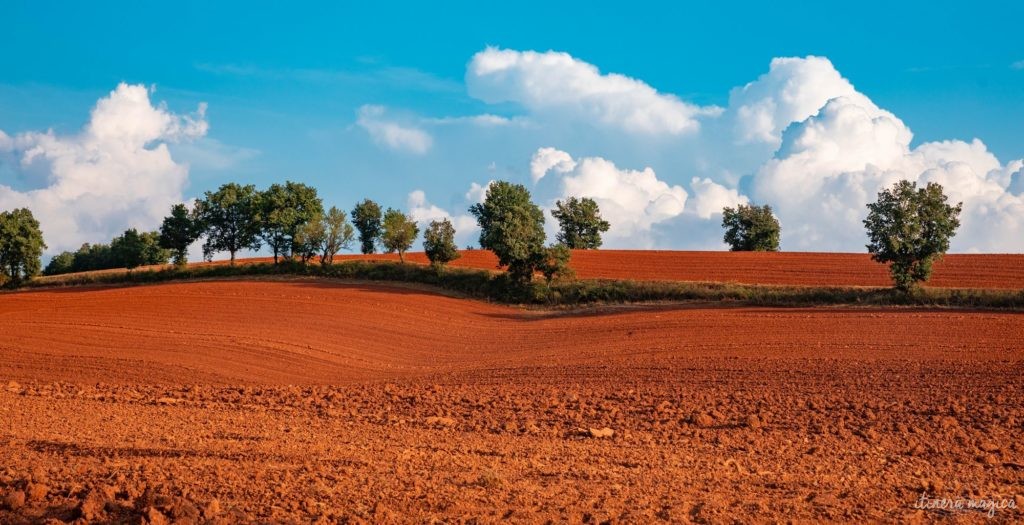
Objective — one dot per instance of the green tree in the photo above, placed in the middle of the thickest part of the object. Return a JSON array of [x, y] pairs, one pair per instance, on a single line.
[[751, 228], [580, 223], [909, 228], [64, 262], [555, 263], [439, 243], [338, 235], [512, 227], [21, 245], [133, 249], [309, 240], [229, 219], [152, 252], [366, 217], [178, 232], [399, 232], [283, 211]]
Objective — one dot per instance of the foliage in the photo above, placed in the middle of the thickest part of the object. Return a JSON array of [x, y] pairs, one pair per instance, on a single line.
[[909, 228], [556, 263], [511, 226], [21, 245], [366, 217], [439, 243], [399, 232], [338, 234], [133, 249], [283, 211], [751, 228], [177, 232], [308, 241], [580, 223], [229, 219]]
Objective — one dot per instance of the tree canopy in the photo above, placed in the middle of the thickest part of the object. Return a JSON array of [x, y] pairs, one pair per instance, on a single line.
[[177, 232], [751, 228], [909, 228], [439, 243], [284, 210], [580, 223], [399, 232], [229, 218], [366, 217], [21, 245]]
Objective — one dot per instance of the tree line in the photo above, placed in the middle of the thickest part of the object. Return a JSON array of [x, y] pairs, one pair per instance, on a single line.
[[908, 229]]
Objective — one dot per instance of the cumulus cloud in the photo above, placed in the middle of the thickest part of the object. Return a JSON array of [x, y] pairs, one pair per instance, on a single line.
[[115, 174], [392, 134], [631, 200], [548, 159], [830, 165], [709, 197], [562, 87]]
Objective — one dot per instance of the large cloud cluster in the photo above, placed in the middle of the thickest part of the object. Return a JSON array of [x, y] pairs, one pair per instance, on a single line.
[[116, 173]]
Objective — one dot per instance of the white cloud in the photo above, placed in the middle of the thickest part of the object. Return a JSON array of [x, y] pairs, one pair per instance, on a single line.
[[709, 197], [115, 174], [632, 201], [391, 134], [560, 86], [832, 164], [548, 159], [477, 192]]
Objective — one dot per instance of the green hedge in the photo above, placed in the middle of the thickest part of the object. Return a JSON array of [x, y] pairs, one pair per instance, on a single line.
[[497, 287]]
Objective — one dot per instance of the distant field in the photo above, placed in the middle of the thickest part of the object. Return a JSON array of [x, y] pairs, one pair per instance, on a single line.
[[782, 268]]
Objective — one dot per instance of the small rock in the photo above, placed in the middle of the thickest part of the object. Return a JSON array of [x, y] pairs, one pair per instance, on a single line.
[[989, 459], [440, 421], [753, 421], [703, 420], [212, 509], [601, 432], [37, 491], [155, 517], [15, 500], [13, 387], [92, 506], [989, 446]]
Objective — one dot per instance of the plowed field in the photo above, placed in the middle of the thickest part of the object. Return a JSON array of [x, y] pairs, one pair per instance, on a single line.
[[301, 400]]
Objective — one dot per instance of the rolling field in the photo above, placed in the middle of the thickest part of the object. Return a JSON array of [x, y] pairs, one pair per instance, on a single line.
[[776, 268], [299, 400]]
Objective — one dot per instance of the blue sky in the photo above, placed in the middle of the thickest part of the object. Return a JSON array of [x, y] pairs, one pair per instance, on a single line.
[[285, 87]]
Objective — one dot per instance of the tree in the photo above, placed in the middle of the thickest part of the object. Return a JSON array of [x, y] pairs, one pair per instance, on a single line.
[[21, 245], [512, 227], [178, 232], [555, 263], [751, 228], [229, 219], [399, 232], [580, 223], [338, 235], [308, 241], [283, 211], [129, 249], [909, 228], [366, 217], [64, 262], [439, 243]]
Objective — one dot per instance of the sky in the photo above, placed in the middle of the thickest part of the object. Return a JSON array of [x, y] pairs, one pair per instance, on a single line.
[[662, 113]]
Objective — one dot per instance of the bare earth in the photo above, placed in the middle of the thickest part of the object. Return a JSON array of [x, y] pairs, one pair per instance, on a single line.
[[302, 400]]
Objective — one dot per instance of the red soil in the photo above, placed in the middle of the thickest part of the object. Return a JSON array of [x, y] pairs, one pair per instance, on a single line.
[[174, 400], [1003, 271]]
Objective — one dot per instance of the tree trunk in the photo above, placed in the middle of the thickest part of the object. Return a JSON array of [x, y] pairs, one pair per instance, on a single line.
[[401, 256], [232, 257]]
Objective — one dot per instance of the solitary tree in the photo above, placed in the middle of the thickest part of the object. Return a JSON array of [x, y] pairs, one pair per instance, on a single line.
[[178, 232], [751, 228], [229, 219], [338, 235], [909, 228], [366, 217], [512, 227], [580, 223], [284, 209], [439, 243], [21, 245], [399, 232]]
